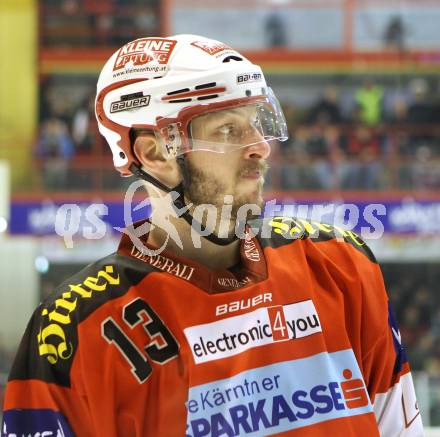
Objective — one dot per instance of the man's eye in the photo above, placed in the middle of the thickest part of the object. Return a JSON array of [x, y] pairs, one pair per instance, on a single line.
[[226, 130]]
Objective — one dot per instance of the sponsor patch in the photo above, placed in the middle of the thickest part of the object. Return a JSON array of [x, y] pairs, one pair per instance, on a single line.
[[278, 398], [233, 282], [212, 48], [234, 335], [130, 103], [249, 77], [144, 51], [53, 340], [35, 423], [243, 304], [163, 263]]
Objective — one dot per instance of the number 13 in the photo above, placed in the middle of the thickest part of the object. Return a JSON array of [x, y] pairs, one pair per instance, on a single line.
[[161, 348]]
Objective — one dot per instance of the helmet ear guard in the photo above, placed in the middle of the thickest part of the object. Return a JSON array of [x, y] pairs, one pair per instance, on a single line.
[[117, 135]]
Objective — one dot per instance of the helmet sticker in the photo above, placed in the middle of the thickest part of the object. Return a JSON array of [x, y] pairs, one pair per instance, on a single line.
[[144, 51], [211, 47], [249, 77], [129, 102]]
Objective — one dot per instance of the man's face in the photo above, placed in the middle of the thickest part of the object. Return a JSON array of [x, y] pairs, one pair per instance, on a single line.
[[238, 171]]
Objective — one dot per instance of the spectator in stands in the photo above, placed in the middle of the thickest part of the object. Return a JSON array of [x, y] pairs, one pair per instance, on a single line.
[[425, 170], [100, 20], [56, 147], [323, 149], [369, 101], [422, 142], [84, 130], [295, 173], [435, 324], [421, 354], [309, 160], [413, 325], [420, 110], [317, 148], [44, 104], [290, 112], [364, 166], [395, 34], [423, 300], [61, 104], [326, 109], [398, 112], [275, 30]]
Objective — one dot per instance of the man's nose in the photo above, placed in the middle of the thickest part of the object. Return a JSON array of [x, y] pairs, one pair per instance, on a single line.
[[258, 150]]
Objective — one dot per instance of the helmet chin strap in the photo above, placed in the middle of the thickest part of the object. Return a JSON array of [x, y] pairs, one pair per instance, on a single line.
[[179, 204]]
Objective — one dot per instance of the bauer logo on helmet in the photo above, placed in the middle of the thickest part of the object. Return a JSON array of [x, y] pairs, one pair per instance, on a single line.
[[249, 77], [129, 103]]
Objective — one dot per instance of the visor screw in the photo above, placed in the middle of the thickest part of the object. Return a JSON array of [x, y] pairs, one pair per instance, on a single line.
[[248, 93], [122, 155]]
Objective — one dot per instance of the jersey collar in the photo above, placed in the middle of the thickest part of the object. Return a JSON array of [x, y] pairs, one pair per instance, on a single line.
[[251, 270]]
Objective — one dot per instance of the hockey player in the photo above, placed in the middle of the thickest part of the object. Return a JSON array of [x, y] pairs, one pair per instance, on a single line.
[[206, 322]]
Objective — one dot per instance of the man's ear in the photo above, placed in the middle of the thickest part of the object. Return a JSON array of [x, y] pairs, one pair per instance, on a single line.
[[150, 156]]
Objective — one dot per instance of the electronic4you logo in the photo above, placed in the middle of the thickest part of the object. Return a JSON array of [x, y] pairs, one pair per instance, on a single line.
[[234, 335]]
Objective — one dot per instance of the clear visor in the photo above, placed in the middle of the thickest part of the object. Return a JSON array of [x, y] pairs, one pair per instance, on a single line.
[[228, 129]]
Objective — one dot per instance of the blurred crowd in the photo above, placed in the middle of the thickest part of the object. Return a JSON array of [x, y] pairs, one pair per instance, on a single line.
[[96, 23], [381, 139], [373, 134], [413, 292], [374, 139]]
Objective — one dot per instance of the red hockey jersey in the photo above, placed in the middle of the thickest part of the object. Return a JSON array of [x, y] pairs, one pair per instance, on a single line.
[[295, 341]]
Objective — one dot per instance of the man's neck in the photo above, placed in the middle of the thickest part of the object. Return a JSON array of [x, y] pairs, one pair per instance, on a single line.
[[194, 246]]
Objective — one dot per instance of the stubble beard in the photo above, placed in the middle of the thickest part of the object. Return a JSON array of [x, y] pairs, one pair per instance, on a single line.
[[204, 188]]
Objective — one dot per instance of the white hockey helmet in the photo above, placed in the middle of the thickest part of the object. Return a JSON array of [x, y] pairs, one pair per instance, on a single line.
[[162, 84]]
